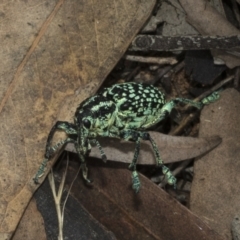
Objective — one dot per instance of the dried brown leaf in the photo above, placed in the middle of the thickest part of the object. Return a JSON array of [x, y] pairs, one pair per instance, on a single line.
[[215, 193], [33, 220], [151, 214], [172, 149], [50, 50]]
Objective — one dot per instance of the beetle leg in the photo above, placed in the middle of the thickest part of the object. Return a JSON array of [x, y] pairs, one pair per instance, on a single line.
[[198, 105], [85, 172], [135, 179], [167, 108], [97, 143], [82, 152], [211, 98], [49, 154], [68, 128], [136, 137], [165, 170], [171, 180]]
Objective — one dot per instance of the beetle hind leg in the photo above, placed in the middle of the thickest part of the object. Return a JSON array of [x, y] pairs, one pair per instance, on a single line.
[[171, 180], [135, 178]]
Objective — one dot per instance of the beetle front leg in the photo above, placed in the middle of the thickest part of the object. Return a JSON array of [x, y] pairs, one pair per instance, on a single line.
[[51, 152], [67, 127], [82, 153], [97, 143]]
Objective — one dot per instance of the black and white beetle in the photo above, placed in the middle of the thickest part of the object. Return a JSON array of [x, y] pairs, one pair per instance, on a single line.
[[123, 111]]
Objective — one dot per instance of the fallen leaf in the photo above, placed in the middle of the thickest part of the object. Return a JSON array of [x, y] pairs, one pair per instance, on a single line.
[[173, 19], [51, 50], [172, 149], [215, 192], [31, 219], [150, 214]]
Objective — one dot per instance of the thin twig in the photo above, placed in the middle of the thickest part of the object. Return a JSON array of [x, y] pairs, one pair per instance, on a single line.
[[58, 196], [57, 200], [180, 43], [160, 73], [133, 73], [71, 187], [154, 60]]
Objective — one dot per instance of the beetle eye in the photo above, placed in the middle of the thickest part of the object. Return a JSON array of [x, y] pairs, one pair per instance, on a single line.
[[86, 123]]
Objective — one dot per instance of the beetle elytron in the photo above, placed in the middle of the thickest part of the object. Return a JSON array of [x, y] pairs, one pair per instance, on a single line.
[[123, 111]]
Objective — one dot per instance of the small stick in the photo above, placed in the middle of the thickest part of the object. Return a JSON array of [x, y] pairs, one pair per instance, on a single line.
[[57, 195], [154, 60]]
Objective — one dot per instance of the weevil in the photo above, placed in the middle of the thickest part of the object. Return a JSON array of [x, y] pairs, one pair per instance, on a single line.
[[122, 111]]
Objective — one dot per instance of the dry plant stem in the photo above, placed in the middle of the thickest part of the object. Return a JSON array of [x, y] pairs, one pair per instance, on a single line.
[[183, 165], [178, 67], [154, 60], [185, 122], [160, 73], [57, 204], [57, 199], [65, 201], [188, 119], [133, 73]]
